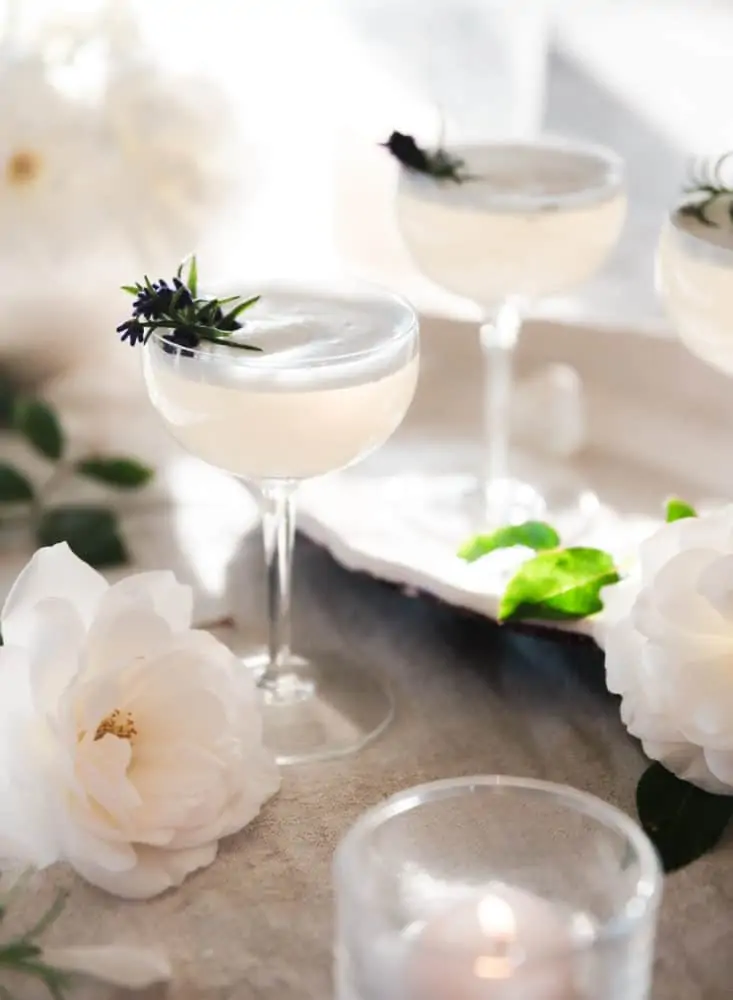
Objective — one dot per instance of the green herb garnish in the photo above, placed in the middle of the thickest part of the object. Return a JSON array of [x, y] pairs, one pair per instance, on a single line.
[[558, 583], [706, 186], [530, 535], [436, 163], [175, 306]]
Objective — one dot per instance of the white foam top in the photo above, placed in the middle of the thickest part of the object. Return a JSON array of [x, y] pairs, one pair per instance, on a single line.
[[519, 176], [307, 338]]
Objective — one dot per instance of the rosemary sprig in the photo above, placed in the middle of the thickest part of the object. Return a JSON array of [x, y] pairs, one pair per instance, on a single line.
[[437, 163], [175, 306], [705, 187], [22, 955]]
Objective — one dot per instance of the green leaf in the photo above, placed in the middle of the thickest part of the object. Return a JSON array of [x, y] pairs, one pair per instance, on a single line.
[[92, 533], [531, 534], [131, 289], [193, 276], [682, 821], [559, 585], [677, 509], [7, 401], [125, 473], [14, 487], [240, 308], [40, 426]]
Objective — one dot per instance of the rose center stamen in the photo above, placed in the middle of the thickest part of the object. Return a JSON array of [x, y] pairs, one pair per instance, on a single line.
[[119, 724], [23, 167]]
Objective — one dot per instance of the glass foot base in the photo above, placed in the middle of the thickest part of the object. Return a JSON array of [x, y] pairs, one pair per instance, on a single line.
[[323, 708]]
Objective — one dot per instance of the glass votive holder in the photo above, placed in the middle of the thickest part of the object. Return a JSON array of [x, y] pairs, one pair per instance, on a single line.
[[495, 888]]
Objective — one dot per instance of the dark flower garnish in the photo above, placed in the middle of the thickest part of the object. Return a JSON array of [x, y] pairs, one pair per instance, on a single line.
[[181, 342], [438, 163], [174, 306], [705, 187]]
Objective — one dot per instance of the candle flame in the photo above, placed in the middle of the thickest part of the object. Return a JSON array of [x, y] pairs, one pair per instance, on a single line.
[[497, 921]]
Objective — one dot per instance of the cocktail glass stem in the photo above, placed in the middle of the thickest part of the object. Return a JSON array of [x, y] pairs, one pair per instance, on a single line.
[[278, 531], [499, 336]]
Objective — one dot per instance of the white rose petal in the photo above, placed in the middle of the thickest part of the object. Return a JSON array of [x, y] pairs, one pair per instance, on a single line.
[[130, 744], [119, 965], [667, 633], [52, 573]]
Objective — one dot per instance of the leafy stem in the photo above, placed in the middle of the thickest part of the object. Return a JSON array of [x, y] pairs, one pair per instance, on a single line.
[[23, 955], [91, 530]]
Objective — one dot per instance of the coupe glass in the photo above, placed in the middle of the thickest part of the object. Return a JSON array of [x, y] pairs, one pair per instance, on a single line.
[[695, 282], [336, 375], [530, 219], [495, 888]]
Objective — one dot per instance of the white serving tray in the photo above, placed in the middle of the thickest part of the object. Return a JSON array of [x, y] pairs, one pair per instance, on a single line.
[[658, 422]]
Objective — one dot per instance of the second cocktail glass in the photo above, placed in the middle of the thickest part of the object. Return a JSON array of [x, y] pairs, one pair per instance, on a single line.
[[694, 276], [525, 221], [335, 376]]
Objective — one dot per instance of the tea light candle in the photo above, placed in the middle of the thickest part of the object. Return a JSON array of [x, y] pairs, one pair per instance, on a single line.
[[506, 944]]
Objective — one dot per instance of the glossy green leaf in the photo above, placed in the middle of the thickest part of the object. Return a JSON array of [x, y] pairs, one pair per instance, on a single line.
[[677, 509], [125, 473], [682, 821], [531, 534], [92, 533], [562, 584], [14, 486], [40, 426]]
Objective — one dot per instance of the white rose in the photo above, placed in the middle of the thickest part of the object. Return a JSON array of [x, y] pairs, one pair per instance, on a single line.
[[667, 632], [129, 742]]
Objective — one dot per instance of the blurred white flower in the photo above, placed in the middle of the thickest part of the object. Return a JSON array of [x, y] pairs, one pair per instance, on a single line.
[[180, 163], [667, 632], [129, 743], [103, 148], [53, 169]]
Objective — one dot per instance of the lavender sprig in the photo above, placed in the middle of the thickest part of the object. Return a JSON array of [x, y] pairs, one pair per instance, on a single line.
[[174, 306], [437, 163]]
